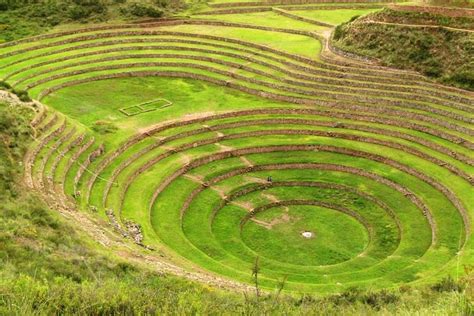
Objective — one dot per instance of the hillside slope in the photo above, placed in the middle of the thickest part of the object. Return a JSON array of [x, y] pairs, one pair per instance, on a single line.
[[21, 18], [438, 46]]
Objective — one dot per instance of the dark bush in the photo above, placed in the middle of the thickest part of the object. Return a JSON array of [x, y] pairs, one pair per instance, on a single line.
[[349, 296], [355, 17], [85, 8], [78, 13], [141, 10], [338, 32], [3, 6], [104, 127], [380, 298], [464, 78], [123, 268], [14, 4], [432, 68], [5, 85], [40, 216], [22, 95], [448, 284], [161, 3]]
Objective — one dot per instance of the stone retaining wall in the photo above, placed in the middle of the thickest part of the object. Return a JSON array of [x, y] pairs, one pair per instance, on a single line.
[[269, 95], [84, 165], [74, 159], [77, 141], [300, 18], [288, 2], [283, 148]]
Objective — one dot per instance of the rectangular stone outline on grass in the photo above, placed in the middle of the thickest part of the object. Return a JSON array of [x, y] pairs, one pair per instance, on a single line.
[[144, 107]]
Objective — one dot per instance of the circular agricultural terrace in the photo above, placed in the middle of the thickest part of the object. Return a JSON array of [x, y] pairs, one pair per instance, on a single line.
[[334, 172]]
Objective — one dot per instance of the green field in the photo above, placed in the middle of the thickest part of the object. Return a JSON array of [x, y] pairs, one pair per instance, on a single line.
[[232, 137]]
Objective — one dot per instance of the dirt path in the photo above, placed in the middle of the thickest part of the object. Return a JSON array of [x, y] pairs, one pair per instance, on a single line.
[[283, 218], [418, 26], [447, 11], [246, 161]]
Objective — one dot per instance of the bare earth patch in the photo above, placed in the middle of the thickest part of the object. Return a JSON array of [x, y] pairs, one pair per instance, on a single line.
[[283, 218]]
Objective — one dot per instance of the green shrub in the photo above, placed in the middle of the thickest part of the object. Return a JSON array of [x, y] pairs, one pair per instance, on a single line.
[[14, 4], [5, 85], [464, 78], [355, 17], [41, 217], [22, 95], [349, 296], [104, 127], [448, 284], [432, 67], [85, 8], [143, 10], [338, 32], [379, 299], [78, 13], [161, 3]]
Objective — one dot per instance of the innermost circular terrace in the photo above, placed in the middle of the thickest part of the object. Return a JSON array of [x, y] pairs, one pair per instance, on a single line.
[[275, 232]]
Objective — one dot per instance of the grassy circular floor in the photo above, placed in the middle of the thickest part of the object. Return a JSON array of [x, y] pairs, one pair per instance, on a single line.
[[278, 233]]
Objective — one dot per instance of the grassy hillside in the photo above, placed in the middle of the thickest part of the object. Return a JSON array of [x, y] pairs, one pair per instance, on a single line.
[[20, 18], [408, 40], [452, 3]]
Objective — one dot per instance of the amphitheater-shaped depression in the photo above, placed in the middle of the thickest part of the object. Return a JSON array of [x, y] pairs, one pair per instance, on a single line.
[[334, 172]]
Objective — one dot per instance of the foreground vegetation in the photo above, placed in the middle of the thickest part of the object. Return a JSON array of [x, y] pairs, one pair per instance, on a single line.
[[49, 267]]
